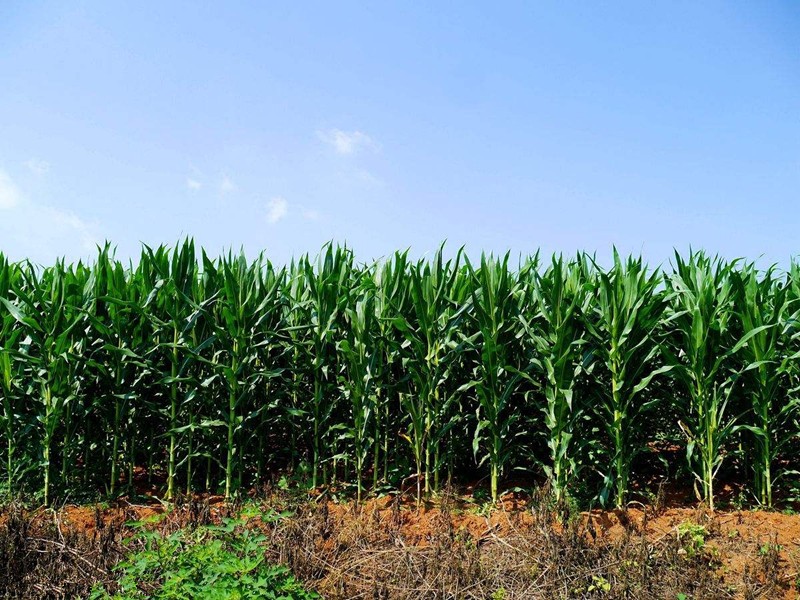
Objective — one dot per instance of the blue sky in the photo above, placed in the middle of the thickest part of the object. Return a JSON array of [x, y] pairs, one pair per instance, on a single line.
[[502, 126]]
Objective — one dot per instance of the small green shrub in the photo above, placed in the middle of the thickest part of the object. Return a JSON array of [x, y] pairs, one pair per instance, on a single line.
[[692, 537], [213, 562], [767, 549]]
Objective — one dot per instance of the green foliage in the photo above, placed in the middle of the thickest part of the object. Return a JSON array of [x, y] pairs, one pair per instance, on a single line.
[[769, 548], [216, 374], [625, 327], [212, 562], [692, 537], [496, 300], [431, 346], [703, 357], [558, 300], [769, 318]]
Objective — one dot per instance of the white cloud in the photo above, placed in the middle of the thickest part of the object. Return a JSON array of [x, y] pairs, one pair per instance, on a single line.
[[277, 208], [69, 224], [227, 186], [40, 232], [37, 167], [310, 214], [9, 193], [368, 178], [347, 142], [193, 184]]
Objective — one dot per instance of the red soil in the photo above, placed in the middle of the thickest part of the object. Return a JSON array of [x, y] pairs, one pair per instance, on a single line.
[[736, 538]]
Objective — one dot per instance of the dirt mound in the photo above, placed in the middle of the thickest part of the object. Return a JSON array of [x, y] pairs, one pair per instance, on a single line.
[[391, 548]]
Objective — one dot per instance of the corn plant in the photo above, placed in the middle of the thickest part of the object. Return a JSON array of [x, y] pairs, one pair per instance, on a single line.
[[768, 318], [49, 310], [361, 351], [197, 415], [296, 318], [391, 294], [79, 296], [10, 334], [118, 328], [267, 413], [242, 310], [558, 300], [170, 309], [628, 312], [495, 308], [706, 339], [429, 346], [328, 285], [226, 370]]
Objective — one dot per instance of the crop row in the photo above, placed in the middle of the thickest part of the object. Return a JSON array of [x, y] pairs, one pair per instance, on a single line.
[[220, 373]]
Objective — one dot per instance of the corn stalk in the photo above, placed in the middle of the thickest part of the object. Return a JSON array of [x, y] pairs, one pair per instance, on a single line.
[[495, 309], [705, 342], [768, 316], [628, 312], [558, 300]]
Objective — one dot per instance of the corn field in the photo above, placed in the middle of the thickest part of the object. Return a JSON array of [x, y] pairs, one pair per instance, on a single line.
[[220, 374]]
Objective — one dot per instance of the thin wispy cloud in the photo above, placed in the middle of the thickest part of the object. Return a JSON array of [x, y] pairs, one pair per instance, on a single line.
[[10, 196], [309, 214], [347, 142], [41, 232], [37, 167], [227, 186], [277, 209], [368, 178], [193, 184], [71, 224]]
